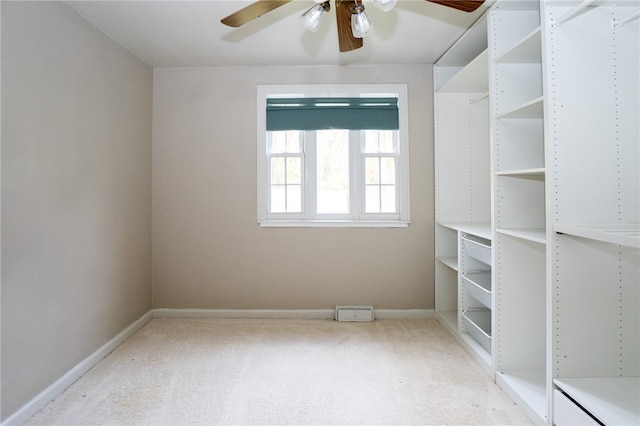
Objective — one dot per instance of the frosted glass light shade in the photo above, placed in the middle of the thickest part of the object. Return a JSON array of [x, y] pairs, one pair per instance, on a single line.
[[313, 17], [360, 23], [384, 5]]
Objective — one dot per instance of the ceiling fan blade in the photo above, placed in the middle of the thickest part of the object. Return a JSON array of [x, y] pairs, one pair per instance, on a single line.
[[464, 5], [346, 40], [253, 11]]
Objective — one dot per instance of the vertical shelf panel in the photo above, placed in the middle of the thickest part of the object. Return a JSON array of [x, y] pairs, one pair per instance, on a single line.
[[520, 303], [597, 164], [453, 181], [520, 215], [462, 173], [599, 301], [520, 203], [594, 151]]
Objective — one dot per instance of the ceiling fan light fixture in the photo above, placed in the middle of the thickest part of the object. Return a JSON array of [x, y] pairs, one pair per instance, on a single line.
[[384, 5], [360, 23], [313, 17]]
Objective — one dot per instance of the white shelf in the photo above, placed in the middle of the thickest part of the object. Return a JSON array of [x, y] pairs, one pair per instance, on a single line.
[[528, 50], [479, 97], [481, 229], [529, 109], [537, 235], [627, 235], [533, 174], [478, 285], [477, 248], [450, 261], [528, 389], [473, 78], [614, 400], [478, 325]]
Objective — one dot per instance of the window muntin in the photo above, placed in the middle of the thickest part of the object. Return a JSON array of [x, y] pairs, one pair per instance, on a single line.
[[380, 152], [333, 177], [286, 171]]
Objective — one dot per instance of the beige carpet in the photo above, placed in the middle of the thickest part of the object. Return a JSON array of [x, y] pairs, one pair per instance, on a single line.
[[284, 372]]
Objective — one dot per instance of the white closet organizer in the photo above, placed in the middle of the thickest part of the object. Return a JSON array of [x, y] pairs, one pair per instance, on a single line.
[[463, 194], [517, 126], [538, 235], [594, 160], [464, 299]]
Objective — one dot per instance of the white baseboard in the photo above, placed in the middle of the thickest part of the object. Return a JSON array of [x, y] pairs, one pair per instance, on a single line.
[[405, 314], [286, 313], [60, 385], [245, 313]]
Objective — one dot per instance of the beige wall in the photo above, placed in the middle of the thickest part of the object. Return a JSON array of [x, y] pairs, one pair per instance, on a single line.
[[76, 194], [82, 212], [208, 250]]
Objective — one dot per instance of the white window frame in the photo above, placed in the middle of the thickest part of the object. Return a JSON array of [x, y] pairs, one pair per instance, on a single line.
[[307, 218]]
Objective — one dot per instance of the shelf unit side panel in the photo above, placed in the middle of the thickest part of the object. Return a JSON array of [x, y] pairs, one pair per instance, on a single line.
[[468, 46], [516, 84], [447, 289], [480, 161], [507, 27], [452, 162], [446, 276], [594, 139], [520, 144], [626, 53], [596, 301], [447, 240], [442, 74], [520, 304], [520, 203]]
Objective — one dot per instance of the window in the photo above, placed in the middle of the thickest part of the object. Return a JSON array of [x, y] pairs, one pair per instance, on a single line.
[[333, 156]]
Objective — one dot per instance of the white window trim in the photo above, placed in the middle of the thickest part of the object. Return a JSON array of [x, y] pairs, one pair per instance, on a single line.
[[265, 91]]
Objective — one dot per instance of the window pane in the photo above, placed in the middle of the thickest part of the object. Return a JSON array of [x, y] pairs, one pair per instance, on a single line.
[[332, 171], [294, 170], [278, 142], [379, 141], [386, 141], [372, 170], [293, 142], [371, 141], [372, 199], [286, 198], [388, 170], [277, 170], [285, 142], [278, 203], [388, 199], [294, 198]]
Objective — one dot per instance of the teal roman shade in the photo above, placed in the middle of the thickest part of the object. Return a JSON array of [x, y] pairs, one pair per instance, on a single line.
[[332, 113]]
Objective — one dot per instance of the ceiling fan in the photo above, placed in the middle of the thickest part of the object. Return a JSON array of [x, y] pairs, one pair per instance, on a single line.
[[352, 21]]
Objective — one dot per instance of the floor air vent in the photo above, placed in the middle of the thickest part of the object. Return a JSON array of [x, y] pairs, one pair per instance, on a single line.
[[354, 313]]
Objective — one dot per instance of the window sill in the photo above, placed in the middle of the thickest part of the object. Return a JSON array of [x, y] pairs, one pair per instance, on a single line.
[[333, 224]]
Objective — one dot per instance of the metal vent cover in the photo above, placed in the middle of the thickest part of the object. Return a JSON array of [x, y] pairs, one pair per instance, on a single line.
[[354, 313]]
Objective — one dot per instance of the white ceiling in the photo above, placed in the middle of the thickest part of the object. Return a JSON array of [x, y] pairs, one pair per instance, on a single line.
[[189, 33]]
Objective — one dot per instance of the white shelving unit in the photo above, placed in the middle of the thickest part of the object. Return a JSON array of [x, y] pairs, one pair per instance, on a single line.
[[463, 188], [464, 287], [540, 168], [594, 161], [520, 244]]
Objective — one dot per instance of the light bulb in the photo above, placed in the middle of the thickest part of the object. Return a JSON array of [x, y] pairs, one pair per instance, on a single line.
[[360, 23], [312, 18], [384, 5]]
